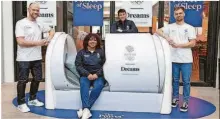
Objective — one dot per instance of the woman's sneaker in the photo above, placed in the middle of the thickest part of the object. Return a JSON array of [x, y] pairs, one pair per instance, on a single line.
[[80, 113], [23, 108], [35, 102], [184, 107], [86, 114], [175, 102]]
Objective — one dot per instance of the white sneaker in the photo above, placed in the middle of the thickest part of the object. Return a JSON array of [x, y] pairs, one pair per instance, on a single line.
[[35, 103], [86, 114], [80, 113], [23, 108]]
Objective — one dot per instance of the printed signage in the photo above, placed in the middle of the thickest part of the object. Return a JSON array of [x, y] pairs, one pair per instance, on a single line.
[[139, 11], [87, 13], [48, 14], [193, 12]]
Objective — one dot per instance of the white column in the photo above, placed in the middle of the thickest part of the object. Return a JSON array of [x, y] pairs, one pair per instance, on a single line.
[[7, 41], [2, 69]]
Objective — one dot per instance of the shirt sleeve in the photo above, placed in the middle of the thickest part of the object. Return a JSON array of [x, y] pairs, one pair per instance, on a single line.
[[19, 29], [191, 33]]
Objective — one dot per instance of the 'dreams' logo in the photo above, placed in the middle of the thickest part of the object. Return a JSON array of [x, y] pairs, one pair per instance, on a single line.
[[129, 53]]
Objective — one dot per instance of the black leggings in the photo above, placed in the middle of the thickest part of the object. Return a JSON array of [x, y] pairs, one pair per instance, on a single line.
[[24, 69]]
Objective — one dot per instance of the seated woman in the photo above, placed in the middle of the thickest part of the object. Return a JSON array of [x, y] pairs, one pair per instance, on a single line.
[[89, 63]]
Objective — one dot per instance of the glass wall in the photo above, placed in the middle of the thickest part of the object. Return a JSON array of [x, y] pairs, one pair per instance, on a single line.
[[106, 22]]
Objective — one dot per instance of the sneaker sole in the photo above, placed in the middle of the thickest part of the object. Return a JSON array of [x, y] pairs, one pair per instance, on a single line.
[[23, 111], [35, 105], [183, 110], [174, 106], [87, 116]]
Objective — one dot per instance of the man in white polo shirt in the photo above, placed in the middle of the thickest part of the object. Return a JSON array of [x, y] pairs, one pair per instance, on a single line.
[[181, 36], [28, 34]]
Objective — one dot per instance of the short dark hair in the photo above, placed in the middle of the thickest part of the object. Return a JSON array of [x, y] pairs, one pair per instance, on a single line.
[[179, 7], [87, 38], [121, 11]]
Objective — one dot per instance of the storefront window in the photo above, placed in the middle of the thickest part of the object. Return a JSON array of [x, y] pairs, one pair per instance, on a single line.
[[106, 22], [200, 50]]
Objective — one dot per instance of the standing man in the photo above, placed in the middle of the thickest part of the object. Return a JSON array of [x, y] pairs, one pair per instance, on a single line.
[[123, 25], [181, 36], [28, 34]]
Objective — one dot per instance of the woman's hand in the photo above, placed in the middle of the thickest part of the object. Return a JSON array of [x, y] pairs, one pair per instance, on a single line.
[[95, 76], [90, 77]]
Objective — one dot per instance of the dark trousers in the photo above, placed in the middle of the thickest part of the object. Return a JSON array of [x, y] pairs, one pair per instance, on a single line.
[[24, 69]]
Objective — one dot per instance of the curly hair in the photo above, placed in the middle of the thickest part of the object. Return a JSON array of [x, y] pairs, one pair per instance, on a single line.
[[87, 38]]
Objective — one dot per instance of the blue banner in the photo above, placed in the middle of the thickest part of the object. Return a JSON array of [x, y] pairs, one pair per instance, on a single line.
[[193, 12], [88, 13]]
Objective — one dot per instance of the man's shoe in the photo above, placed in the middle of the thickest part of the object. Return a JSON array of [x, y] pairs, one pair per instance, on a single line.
[[184, 107], [175, 102], [86, 114], [23, 108], [35, 102]]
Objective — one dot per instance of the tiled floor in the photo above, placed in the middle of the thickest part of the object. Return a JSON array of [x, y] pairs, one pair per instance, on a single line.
[[10, 112]]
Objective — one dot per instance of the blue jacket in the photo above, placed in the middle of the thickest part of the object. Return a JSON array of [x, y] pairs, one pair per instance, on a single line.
[[127, 27], [90, 63]]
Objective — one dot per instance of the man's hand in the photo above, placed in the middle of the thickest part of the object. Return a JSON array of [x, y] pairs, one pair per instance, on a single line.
[[170, 41], [50, 37], [90, 77], [51, 34], [46, 42]]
